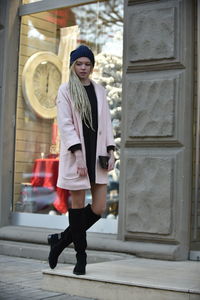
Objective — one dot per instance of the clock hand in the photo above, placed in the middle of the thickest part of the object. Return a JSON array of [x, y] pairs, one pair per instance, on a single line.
[[47, 85]]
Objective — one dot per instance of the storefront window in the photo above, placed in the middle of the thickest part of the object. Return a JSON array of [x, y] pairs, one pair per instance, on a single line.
[[46, 40]]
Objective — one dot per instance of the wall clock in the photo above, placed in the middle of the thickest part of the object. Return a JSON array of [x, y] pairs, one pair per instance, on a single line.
[[41, 78]]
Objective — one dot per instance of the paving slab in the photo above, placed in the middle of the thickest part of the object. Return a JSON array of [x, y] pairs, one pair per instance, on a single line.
[[21, 279]]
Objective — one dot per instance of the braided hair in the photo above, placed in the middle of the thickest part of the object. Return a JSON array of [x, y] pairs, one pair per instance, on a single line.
[[80, 97]]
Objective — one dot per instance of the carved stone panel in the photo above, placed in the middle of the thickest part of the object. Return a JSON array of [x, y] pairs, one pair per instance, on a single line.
[[149, 194], [151, 33], [151, 105]]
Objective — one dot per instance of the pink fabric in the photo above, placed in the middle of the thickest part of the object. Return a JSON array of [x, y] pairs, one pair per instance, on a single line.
[[71, 133]]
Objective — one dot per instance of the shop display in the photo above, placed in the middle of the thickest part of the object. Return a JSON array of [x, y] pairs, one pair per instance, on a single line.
[[47, 38]]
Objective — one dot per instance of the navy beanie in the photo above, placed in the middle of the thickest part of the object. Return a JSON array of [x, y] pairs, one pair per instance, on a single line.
[[82, 51]]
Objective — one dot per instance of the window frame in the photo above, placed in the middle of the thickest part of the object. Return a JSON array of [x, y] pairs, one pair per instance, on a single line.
[[27, 219], [43, 5]]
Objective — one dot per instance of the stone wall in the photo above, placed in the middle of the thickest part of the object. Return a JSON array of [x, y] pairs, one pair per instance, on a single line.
[[157, 125]]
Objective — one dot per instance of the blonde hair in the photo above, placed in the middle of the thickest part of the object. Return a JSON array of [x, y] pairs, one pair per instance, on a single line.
[[80, 97]]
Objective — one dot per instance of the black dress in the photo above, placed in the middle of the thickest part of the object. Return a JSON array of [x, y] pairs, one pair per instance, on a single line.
[[90, 135]]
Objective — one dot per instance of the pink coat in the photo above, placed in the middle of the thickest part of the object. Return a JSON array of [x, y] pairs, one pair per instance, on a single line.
[[71, 133]]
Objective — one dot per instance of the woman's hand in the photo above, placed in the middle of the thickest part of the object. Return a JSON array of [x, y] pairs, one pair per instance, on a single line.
[[81, 166], [111, 162]]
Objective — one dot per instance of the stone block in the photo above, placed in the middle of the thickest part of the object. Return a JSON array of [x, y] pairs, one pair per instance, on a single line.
[[151, 107], [151, 33], [149, 194]]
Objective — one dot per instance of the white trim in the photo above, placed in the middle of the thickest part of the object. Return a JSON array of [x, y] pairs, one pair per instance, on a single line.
[[60, 222], [46, 5]]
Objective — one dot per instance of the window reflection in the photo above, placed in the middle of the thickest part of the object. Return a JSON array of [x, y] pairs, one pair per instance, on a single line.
[[100, 26]]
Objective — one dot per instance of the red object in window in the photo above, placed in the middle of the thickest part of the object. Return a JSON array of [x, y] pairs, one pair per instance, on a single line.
[[62, 17], [61, 201], [45, 174], [54, 133]]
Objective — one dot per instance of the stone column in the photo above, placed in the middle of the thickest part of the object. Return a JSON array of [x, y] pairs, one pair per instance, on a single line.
[[9, 41], [156, 156]]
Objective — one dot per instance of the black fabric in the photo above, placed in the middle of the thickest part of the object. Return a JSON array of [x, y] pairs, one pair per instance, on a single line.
[[75, 148], [82, 51], [90, 135], [58, 244], [78, 147], [111, 147], [77, 221]]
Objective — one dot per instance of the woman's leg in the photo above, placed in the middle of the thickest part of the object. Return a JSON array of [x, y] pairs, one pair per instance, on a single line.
[[78, 198], [99, 192], [77, 221], [58, 242]]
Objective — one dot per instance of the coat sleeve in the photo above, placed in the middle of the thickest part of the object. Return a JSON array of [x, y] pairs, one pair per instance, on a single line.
[[66, 126]]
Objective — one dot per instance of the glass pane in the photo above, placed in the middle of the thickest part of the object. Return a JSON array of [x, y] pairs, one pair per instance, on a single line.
[[46, 41]]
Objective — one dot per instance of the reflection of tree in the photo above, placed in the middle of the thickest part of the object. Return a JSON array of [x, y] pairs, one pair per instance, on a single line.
[[112, 13], [98, 22], [109, 74]]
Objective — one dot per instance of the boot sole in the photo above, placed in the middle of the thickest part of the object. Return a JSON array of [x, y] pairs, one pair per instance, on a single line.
[[79, 273]]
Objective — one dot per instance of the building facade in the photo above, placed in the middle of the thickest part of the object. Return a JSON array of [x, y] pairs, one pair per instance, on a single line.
[[147, 59]]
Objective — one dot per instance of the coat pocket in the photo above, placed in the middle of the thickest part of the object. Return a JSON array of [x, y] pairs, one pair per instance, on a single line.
[[69, 168]]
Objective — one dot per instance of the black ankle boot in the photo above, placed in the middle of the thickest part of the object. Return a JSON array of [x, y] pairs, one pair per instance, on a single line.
[[59, 241], [53, 239], [77, 221]]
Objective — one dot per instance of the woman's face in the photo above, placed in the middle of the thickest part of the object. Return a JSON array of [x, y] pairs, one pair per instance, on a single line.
[[83, 68]]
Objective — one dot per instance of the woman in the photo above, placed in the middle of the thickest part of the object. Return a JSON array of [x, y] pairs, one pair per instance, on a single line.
[[86, 133]]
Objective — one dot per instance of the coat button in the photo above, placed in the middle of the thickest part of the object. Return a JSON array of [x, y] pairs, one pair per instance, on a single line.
[[99, 132]]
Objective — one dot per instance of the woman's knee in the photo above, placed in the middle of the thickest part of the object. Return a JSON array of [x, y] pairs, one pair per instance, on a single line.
[[99, 192], [98, 209], [77, 204], [78, 199]]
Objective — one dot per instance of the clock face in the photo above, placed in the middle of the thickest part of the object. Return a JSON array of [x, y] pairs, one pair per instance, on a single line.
[[46, 81], [41, 79]]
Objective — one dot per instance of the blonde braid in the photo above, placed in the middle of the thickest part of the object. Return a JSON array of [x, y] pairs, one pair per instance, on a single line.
[[80, 98]]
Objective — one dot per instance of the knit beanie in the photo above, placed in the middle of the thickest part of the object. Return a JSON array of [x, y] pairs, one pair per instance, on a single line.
[[82, 51]]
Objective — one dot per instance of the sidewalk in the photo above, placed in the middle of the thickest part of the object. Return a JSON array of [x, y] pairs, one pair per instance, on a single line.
[[129, 279], [21, 279]]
